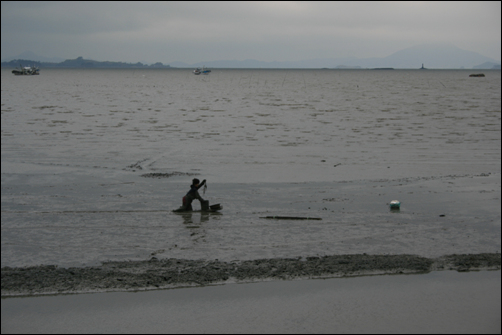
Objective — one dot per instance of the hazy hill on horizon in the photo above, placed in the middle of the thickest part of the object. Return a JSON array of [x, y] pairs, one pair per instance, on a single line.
[[438, 56], [433, 56], [30, 55]]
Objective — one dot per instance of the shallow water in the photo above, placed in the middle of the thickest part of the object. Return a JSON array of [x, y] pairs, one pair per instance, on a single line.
[[339, 145]]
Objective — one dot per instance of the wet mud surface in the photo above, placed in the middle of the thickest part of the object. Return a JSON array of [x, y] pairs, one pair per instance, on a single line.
[[94, 162], [170, 273], [83, 221]]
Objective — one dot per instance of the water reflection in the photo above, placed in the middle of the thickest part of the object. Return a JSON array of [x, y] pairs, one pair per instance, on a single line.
[[195, 223], [194, 218]]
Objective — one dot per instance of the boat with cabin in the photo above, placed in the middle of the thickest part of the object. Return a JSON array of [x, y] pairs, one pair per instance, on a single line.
[[26, 71], [204, 70]]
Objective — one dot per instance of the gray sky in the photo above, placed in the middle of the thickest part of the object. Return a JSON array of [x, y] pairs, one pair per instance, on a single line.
[[205, 31]]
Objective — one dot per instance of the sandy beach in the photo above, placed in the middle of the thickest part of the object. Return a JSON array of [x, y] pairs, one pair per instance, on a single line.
[[437, 302]]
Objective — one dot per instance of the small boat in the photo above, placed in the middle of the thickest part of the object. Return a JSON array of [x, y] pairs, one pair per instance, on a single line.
[[477, 75], [205, 70], [26, 71]]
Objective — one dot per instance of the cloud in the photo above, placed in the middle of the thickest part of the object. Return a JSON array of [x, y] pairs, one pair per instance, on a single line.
[[196, 31]]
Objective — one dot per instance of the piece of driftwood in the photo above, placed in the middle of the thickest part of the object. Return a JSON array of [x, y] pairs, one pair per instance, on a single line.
[[289, 218]]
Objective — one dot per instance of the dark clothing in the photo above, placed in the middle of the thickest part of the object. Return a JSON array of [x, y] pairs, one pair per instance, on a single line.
[[194, 189], [192, 195]]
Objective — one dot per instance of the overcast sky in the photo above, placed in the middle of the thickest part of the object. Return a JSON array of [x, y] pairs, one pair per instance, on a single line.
[[204, 31]]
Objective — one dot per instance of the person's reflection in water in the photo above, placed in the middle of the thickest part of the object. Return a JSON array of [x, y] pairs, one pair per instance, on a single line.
[[194, 223]]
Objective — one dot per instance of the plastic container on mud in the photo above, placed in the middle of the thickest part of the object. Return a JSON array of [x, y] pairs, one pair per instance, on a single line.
[[395, 204]]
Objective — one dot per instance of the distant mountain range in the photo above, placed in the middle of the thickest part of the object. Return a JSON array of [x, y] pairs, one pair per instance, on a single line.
[[433, 56], [80, 62], [29, 55]]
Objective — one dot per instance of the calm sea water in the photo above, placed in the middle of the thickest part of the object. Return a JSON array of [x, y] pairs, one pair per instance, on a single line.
[[333, 144]]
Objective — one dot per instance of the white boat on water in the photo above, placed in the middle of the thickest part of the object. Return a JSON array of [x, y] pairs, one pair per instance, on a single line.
[[204, 70], [26, 71]]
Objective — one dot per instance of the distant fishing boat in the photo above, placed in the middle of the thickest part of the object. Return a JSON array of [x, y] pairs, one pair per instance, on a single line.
[[422, 68], [205, 70], [26, 71]]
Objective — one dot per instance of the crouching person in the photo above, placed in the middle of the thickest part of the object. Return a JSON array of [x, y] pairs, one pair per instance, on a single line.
[[192, 195]]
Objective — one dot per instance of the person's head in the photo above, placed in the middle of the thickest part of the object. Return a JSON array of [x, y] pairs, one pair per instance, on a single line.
[[195, 181]]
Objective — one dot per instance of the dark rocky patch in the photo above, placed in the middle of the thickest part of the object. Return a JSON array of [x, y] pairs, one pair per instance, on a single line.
[[168, 273], [167, 175]]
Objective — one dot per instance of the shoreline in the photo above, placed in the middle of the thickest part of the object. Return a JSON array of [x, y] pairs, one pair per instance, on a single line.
[[157, 274]]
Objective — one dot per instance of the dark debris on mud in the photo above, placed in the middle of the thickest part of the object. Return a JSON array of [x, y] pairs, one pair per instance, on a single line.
[[167, 175], [168, 273]]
